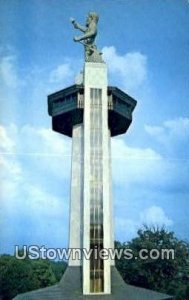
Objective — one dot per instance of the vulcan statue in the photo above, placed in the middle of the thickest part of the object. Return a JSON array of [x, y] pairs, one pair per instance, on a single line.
[[92, 54]]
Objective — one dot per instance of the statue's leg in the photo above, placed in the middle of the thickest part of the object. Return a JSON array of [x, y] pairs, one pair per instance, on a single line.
[[88, 53]]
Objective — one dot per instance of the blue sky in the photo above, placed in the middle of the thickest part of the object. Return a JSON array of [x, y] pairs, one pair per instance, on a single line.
[[145, 44]]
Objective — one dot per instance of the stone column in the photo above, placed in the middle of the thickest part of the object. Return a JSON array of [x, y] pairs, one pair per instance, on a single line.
[[76, 201]]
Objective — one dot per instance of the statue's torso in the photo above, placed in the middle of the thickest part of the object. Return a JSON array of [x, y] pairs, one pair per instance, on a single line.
[[93, 29]]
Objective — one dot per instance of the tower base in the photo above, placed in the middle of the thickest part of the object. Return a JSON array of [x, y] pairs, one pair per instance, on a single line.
[[70, 288]]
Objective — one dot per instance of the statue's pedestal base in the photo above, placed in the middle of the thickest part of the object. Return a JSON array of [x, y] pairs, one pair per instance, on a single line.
[[70, 288]]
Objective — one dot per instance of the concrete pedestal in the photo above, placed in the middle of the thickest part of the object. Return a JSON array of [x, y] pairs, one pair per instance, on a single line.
[[70, 288]]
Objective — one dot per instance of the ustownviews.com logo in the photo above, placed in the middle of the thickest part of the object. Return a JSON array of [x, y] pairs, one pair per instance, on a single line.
[[36, 252]]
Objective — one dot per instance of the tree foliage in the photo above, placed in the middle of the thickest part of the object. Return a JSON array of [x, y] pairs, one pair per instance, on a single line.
[[170, 276], [19, 276], [58, 268]]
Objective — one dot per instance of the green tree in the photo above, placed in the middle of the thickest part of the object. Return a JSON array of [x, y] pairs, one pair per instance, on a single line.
[[165, 275], [19, 276], [58, 268], [42, 273], [14, 276]]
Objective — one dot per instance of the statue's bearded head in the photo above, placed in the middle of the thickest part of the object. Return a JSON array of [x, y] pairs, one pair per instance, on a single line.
[[92, 17]]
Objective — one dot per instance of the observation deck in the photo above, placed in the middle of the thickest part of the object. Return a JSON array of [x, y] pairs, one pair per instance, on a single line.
[[66, 108]]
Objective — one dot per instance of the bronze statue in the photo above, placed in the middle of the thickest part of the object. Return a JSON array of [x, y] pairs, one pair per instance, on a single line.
[[92, 54]]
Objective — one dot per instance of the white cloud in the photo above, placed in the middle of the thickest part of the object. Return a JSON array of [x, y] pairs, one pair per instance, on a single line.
[[8, 72], [33, 159], [34, 216], [134, 165], [42, 141], [155, 215], [45, 204], [11, 171], [145, 179], [177, 128], [173, 135], [154, 130], [11, 178], [34, 143], [62, 72], [130, 67], [53, 150], [7, 144], [126, 228], [121, 151], [148, 167]]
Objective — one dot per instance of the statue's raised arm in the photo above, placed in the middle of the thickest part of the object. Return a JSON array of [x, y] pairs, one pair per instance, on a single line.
[[88, 38], [78, 26]]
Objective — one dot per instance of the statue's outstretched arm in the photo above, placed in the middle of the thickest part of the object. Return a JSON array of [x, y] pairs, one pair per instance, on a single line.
[[78, 26]]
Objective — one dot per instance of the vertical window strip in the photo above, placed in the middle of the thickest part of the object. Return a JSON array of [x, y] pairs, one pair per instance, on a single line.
[[96, 201]]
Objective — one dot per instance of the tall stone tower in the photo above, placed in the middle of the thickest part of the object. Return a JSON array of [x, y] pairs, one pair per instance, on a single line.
[[91, 112]]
